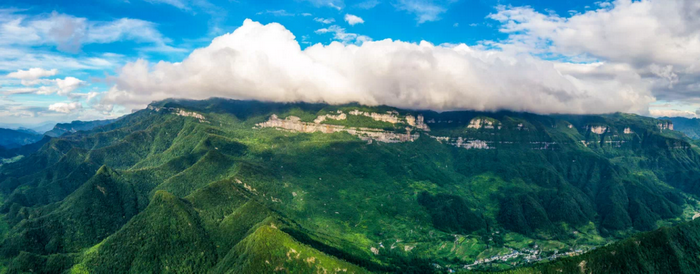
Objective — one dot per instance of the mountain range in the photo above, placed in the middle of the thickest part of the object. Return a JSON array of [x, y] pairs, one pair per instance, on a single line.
[[227, 186]]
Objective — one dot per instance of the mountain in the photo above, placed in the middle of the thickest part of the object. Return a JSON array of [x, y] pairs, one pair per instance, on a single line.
[[63, 128], [226, 186], [13, 138], [665, 250], [689, 126]]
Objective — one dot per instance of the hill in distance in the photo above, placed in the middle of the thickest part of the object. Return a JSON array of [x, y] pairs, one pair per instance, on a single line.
[[226, 186], [75, 126], [14, 138], [689, 126]]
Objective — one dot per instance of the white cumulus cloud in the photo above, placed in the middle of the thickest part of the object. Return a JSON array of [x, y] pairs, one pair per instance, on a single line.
[[353, 19], [659, 39], [66, 107], [68, 85], [266, 62]]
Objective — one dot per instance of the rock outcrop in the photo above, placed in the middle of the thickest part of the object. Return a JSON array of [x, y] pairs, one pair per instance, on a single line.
[[417, 122], [665, 125], [293, 123], [390, 117], [321, 118], [478, 123], [179, 112], [597, 129]]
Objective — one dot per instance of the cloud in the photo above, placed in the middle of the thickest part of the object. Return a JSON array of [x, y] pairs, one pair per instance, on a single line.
[[68, 85], [62, 87], [368, 4], [339, 34], [265, 62], [66, 107], [277, 13], [425, 10], [672, 113], [14, 58], [175, 3], [324, 20], [32, 74], [69, 33], [352, 19], [336, 4], [26, 90], [659, 39]]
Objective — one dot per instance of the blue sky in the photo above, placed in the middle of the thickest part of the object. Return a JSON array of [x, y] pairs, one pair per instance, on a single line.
[[82, 51]]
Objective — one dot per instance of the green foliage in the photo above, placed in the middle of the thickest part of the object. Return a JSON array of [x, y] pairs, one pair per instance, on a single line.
[[167, 237], [450, 213], [666, 250], [269, 250], [158, 192]]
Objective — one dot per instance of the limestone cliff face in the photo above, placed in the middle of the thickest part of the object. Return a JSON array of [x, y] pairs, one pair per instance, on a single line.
[[598, 129], [184, 113], [293, 123], [665, 125], [465, 139], [478, 123], [321, 118], [179, 112], [390, 117], [417, 122]]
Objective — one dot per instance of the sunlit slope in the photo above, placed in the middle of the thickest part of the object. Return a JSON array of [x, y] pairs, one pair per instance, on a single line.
[[666, 250], [383, 189]]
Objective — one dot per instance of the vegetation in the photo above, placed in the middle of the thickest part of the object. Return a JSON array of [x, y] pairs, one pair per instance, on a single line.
[[666, 250], [157, 191]]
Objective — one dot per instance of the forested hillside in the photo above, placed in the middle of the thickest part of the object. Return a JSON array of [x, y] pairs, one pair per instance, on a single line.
[[666, 250], [226, 186]]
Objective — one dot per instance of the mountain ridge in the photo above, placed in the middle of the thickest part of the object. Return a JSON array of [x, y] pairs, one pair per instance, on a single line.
[[360, 189]]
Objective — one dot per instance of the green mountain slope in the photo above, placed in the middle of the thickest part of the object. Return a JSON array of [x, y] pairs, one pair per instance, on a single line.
[[666, 250], [230, 186]]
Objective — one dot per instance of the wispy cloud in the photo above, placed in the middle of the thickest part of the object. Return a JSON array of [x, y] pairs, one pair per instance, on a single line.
[[336, 4], [277, 13], [368, 4], [69, 33], [175, 3], [341, 35], [324, 20], [424, 10]]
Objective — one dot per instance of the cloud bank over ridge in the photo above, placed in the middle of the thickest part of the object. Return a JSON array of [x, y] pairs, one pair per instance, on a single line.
[[266, 62]]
